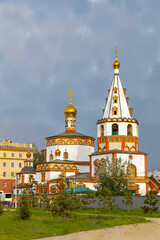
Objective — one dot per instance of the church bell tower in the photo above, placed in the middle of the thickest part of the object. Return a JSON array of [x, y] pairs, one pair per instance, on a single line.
[[117, 129]]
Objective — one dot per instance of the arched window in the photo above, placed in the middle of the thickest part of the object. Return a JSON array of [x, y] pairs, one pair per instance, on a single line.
[[51, 157], [65, 155], [115, 99], [101, 131], [43, 176], [115, 129], [95, 167], [129, 130], [114, 110], [131, 171]]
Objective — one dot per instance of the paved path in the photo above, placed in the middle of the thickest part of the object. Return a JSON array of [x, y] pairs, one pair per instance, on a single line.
[[142, 231]]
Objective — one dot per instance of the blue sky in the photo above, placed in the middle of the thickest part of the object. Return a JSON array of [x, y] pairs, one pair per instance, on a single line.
[[46, 46]]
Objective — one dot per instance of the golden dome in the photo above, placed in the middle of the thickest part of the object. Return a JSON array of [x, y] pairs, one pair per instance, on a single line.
[[28, 154], [116, 64], [57, 152], [70, 111]]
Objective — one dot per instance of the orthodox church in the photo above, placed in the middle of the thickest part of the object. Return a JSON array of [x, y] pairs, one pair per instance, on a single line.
[[71, 154]]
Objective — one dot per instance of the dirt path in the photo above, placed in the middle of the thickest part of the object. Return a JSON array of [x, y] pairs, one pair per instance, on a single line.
[[142, 231]]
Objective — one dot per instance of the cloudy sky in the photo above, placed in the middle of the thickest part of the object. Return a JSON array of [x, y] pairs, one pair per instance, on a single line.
[[46, 46]]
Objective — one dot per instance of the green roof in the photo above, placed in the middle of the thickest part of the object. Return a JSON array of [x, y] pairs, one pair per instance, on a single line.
[[80, 189]]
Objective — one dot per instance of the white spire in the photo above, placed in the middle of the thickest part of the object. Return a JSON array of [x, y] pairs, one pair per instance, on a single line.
[[116, 105]]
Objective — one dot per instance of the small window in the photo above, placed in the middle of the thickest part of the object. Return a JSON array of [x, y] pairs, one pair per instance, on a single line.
[[126, 139], [12, 164], [20, 155], [115, 90], [51, 157], [101, 130], [120, 139], [12, 154], [12, 184], [4, 174], [65, 155], [114, 110], [115, 129], [129, 130], [12, 174], [129, 139], [4, 164], [133, 140], [115, 99], [4, 155], [115, 139], [109, 139], [20, 165], [4, 184]]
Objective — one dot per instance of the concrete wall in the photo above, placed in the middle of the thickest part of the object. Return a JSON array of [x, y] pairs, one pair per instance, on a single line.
[[138, 201]]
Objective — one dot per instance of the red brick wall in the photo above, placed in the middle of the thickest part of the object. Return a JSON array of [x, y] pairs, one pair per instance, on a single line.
[[8, 188]]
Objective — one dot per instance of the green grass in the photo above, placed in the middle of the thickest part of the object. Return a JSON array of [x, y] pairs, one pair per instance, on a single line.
[[42, 224], [121, 212]]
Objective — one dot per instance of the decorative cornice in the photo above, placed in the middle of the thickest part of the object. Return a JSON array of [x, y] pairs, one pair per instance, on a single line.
[[128, 120]]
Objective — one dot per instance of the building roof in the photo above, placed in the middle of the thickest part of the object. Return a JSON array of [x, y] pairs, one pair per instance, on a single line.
[[70, 134], [80, 189], [27, 170], [118, 151], [60, 162], [85, 175]]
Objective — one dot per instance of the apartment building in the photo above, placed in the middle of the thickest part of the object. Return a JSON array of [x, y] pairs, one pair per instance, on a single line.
[[12, 157]]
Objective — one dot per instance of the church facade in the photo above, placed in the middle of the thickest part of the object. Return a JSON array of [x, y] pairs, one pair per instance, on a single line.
[[71, 154]]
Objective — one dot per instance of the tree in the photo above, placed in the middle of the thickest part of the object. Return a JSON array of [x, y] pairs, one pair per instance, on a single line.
[[64, 202], [44, 202], [112, 176], [24, 210], [106, 199], [128, 199], [151, 202], [38, 156]]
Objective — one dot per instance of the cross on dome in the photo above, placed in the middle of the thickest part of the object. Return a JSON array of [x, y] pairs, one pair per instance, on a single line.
[[116, 51], [116, 64], [70, 93]]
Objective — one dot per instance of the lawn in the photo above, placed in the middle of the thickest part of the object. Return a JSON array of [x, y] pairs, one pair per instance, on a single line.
[[119, 212], [42, 224]]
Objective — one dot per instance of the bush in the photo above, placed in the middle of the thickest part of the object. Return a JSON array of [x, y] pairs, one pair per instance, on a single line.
[[64, 202], [106, 199], [128, 199], [151, 202], [24, 210]]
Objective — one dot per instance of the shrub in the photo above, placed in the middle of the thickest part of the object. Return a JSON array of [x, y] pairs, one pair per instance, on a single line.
[[128, 199], [64, 202], [151, 202], [24, 210]]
